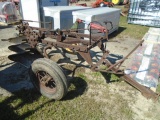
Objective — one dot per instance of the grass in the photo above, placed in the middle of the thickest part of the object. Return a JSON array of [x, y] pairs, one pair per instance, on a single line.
[[158, 88], [89, 97], [28, 104], [129, 30]]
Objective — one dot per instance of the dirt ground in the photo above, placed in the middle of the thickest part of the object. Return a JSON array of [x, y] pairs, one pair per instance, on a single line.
[[14, 76]]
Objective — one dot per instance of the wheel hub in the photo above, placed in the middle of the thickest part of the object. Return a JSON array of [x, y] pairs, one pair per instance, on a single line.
[[46, 81]]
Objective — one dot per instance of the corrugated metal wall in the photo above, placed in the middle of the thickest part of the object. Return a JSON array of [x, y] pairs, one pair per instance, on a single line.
[[144, 12]]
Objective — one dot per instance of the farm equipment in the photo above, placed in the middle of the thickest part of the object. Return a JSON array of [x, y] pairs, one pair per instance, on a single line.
[[108, 3], [48, 77], [102, 3], [117, 2]]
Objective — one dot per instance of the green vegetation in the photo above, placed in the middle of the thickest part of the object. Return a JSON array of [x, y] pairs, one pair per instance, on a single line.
[[93, 102], [130, 30], [30, 107], [135, 31], [158, 89]]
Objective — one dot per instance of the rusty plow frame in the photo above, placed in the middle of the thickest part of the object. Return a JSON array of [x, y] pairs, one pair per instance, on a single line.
[[75, 41]]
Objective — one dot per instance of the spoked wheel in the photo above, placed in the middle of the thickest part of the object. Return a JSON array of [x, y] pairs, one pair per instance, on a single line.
[[46, 82], [48, 78]]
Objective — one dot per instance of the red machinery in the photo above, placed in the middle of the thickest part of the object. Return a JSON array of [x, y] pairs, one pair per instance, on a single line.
[[101, 3], [95, 26], [98, 3]]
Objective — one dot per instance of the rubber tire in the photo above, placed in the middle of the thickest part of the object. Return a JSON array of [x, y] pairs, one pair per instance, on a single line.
[[49, 66], [58, 70]]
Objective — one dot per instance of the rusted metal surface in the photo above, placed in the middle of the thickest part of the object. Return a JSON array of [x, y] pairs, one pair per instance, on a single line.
[[75, 42], [46, 81], [146, 92]]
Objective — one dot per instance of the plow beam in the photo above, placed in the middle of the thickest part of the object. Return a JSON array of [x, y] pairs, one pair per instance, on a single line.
[[146, 92]]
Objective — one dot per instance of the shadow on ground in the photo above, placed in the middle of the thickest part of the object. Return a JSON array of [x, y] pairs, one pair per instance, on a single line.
[[15, 80], [114, 34], [3, 27]]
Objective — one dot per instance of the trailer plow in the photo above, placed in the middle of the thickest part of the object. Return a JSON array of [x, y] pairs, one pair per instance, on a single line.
[[48, 77]]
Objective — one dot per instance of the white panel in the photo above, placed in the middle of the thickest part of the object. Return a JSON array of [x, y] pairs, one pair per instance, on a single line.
[[99, 14], [30, 11], [61, 16], [143, 68], [56, 18]]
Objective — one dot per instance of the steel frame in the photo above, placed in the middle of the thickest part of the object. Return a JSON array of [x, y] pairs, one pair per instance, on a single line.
[[75, 41]]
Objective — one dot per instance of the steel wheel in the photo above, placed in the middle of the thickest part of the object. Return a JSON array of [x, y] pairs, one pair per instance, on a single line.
[[48, 78], [46, 82]]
